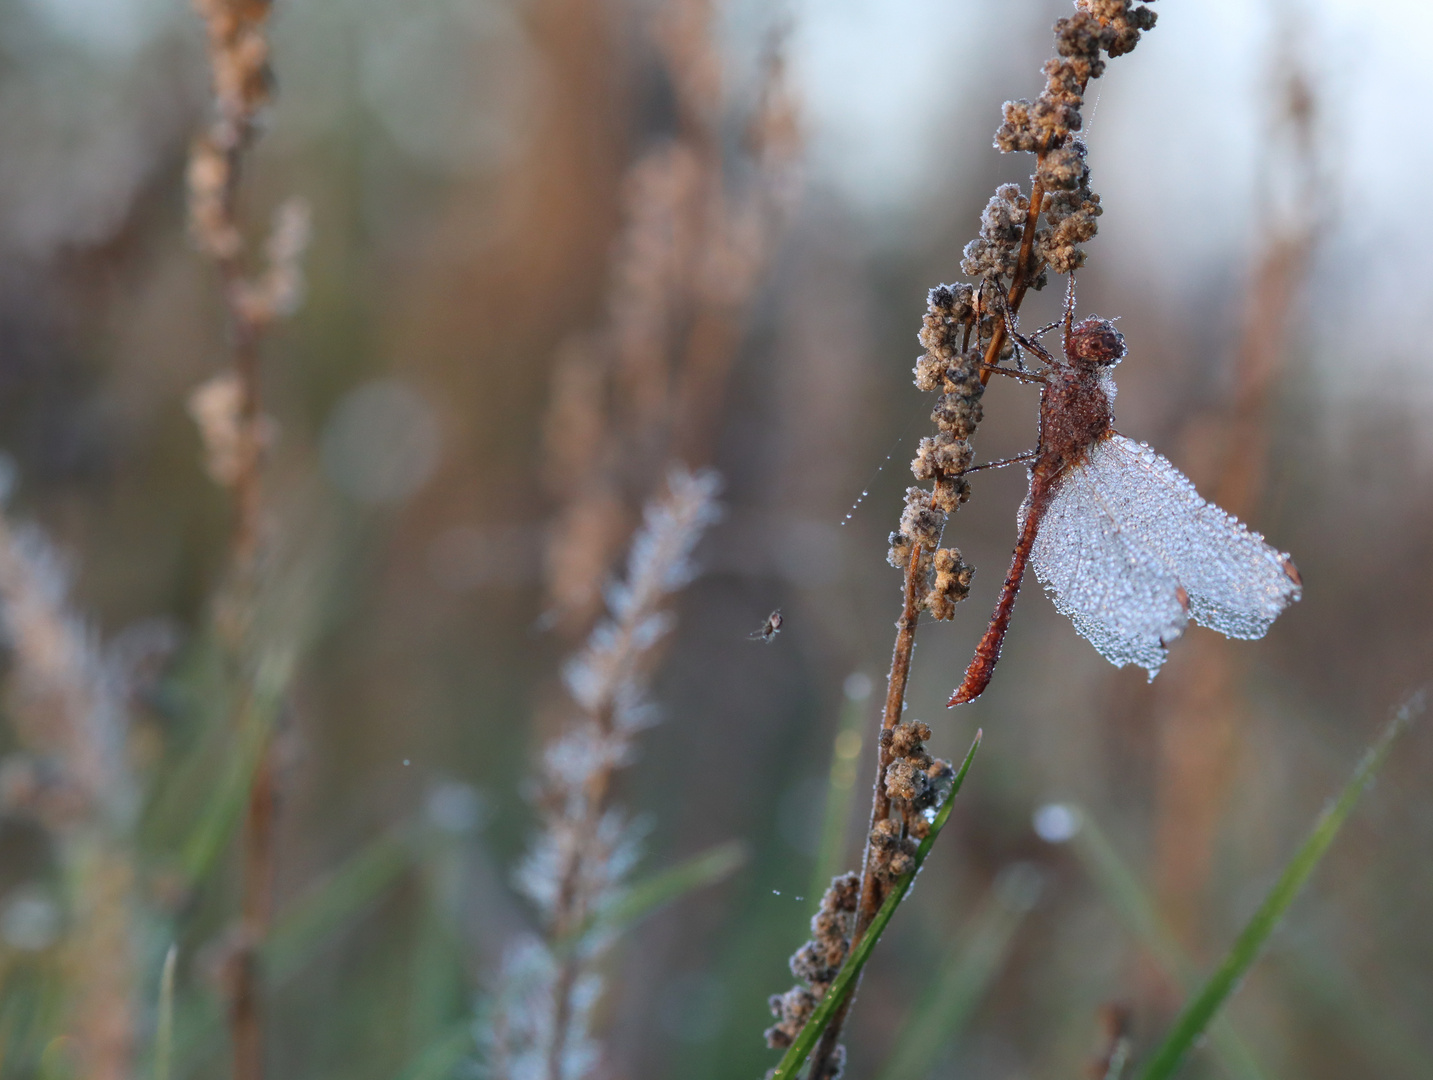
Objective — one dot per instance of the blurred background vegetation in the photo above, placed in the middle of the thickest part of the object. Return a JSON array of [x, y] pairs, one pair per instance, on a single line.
[[468, 168]]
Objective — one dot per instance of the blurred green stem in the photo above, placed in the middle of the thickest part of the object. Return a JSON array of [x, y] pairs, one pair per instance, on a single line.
[[840, 793], [164, 1023], [1198, 1013]]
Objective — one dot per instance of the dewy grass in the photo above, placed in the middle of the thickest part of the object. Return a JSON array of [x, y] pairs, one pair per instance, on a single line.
[[646, 896], [1199, 1012], [843, 986]]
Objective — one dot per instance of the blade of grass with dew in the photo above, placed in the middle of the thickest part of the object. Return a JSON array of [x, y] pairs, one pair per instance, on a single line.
[[436, 972], [963, 980], [438, 1059], [164, 1022], [196, 699], [1134, 906], [840, 793], [1197, 1014], [845, 979]]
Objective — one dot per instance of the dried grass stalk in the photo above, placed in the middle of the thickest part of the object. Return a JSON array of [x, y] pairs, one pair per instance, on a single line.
[[699, 229], [230, 413], [69, 710], [549, 985]]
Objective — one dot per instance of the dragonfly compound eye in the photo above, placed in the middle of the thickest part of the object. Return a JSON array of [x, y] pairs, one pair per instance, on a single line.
[[1096, 341]]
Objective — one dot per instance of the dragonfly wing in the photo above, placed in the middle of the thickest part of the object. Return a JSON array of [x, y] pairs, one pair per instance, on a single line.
[[1237, 583], [1119, 595]]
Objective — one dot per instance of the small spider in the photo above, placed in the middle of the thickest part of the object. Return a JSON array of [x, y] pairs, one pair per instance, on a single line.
[[770, 628]]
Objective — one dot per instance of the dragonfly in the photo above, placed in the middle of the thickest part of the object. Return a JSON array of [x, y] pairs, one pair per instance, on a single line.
[[1118, 536]]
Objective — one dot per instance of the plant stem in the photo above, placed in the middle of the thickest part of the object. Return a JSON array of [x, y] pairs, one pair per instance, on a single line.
[[1019, 282], [245, 1016], [229, 137], [164, 1025], [872, 895]]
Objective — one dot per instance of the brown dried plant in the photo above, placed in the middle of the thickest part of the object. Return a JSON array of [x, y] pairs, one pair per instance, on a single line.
[[230, 413], [68, 706], [1200, 705], [580, 860], [965, 337], [699, 230], [641, 393]]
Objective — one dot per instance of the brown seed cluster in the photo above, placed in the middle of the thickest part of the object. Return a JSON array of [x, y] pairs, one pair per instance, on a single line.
[[995, 253], [239, 62], [915, 781], [952, 368], [1022, 239], [816, 963], [1013, 252], [893, 854], [1046, 128]]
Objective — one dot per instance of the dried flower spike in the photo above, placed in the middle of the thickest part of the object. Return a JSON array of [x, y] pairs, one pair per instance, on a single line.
[[549, 985]]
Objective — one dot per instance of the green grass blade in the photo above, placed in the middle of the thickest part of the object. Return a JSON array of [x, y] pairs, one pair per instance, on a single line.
[[1132, 902], [316, 916], [220, 816], [640, 899], [1200, 1011], [965, 976], [702, 869], [300, 931], [1332, 996], [845, 979], [164, 1023], [840, 794]]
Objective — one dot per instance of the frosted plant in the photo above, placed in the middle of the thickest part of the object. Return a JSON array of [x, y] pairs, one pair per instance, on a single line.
[[539, 1028], [68, 701]]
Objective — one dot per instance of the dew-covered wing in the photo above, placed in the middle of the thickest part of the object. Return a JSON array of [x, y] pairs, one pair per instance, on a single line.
[[1170, 539], [1118, 594]]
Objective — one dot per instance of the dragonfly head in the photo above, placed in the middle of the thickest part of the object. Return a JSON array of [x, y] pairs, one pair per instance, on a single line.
[[1095, 342]]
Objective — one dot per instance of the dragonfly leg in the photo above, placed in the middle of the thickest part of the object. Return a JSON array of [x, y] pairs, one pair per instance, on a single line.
[[1069, 312], [1029, 455], [1019, 339], [1024, 376]]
